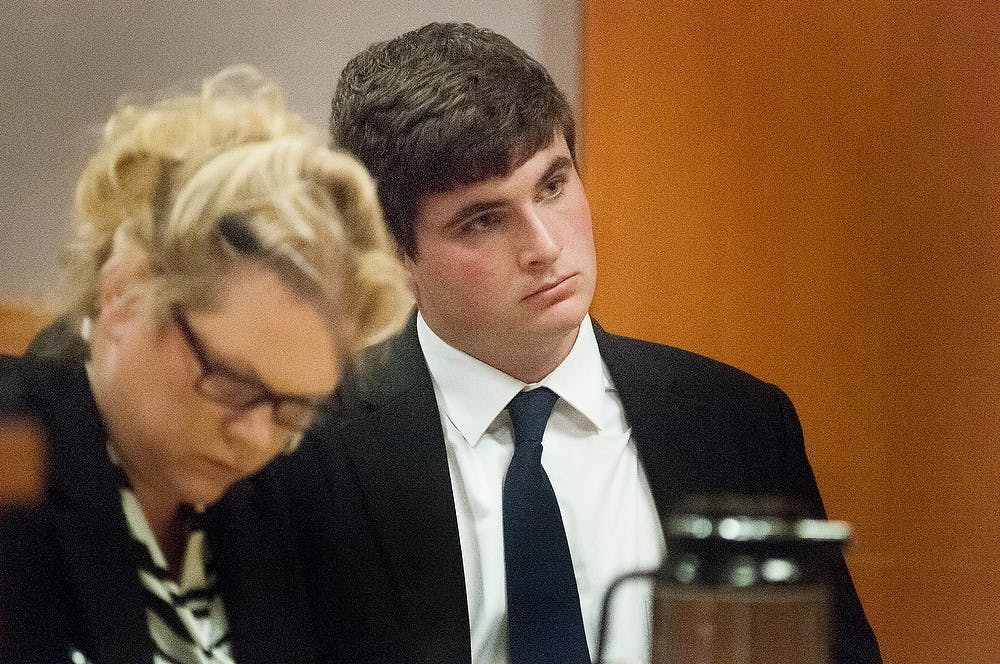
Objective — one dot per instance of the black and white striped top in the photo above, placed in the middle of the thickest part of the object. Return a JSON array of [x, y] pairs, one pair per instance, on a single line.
[[186, 616]]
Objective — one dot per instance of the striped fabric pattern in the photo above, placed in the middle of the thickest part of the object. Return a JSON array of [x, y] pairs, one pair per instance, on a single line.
[[186, 617]]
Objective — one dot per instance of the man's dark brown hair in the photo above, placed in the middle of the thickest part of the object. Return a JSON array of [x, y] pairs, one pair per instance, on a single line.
[[446, 105]]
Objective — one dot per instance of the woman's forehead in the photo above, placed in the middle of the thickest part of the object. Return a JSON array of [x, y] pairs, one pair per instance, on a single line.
[[259, 326]]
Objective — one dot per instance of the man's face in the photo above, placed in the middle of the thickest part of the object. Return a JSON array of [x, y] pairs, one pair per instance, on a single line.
[[176, 444], [506, 267]]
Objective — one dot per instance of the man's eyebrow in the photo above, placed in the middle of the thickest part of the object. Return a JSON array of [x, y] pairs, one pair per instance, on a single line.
[[475, 208], [559, 163]]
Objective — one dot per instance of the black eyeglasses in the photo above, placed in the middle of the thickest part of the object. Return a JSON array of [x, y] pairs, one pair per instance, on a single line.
[[226, 387]]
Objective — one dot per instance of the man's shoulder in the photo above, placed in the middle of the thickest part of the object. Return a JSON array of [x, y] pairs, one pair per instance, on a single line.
[[684, 372], [382, 372], [676, 361]]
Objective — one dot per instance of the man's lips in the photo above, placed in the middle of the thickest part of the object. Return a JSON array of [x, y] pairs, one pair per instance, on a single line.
[[549, 286]]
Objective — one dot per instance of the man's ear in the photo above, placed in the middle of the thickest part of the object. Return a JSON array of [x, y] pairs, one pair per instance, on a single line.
[[410, 266]]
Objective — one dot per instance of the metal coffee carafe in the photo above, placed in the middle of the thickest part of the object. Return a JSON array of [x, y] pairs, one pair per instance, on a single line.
[[744, 582]]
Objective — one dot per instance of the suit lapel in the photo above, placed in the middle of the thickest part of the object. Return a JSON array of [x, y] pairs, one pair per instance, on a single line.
[[398, 451], [676, 436]]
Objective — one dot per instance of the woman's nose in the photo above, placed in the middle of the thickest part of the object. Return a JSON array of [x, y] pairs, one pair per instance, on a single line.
[[253, 429]]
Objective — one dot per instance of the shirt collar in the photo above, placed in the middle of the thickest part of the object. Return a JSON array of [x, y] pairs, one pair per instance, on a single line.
[[474, 393]]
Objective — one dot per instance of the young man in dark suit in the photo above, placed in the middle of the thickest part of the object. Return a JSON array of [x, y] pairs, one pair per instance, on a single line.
[[472, 146]]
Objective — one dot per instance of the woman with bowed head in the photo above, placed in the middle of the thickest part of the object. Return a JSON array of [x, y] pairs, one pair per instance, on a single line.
[[225, 266]]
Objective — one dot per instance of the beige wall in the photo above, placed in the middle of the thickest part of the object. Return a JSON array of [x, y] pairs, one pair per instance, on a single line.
[[64, 65], [809, 191]]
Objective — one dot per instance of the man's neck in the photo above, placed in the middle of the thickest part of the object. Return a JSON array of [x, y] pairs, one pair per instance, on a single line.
[[527, 362], [528, 365]]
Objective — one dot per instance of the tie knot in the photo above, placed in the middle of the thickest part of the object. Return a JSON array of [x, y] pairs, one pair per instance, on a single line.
[[529, 412]]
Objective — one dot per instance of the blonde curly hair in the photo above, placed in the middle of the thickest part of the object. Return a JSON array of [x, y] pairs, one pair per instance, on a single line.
[[195, 183]]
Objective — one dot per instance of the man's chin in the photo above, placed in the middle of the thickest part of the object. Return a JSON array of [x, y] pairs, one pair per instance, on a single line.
[[563, 318], [556, 332]]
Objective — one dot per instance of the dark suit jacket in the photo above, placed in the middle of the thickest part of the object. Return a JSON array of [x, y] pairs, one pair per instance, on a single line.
[[68, 578], [390, 515]]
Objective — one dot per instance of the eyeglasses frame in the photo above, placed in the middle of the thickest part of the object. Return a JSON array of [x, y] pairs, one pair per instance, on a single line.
[[263, 394]]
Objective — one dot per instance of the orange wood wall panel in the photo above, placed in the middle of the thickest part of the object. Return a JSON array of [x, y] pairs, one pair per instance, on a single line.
[[810, 191]]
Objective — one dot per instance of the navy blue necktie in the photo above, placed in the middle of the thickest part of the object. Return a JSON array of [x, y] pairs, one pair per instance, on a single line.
[[544, 622]]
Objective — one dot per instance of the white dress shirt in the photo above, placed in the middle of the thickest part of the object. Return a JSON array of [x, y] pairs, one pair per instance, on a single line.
[[591, 460]]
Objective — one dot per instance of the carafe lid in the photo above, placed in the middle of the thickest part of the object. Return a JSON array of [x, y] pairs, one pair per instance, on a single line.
[[741, 540]]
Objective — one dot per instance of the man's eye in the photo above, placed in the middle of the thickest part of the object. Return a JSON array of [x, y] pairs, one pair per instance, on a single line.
[[482, 222], [553, 187]]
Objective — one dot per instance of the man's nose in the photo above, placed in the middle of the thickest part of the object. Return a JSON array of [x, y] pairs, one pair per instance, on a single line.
[[540, 244]]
